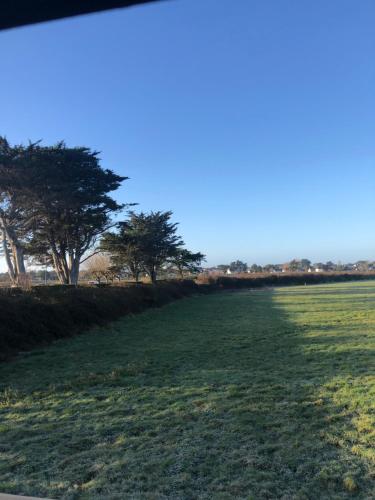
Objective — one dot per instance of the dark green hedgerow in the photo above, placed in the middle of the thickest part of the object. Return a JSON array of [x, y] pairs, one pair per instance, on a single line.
[[292, 279], [44, 314]]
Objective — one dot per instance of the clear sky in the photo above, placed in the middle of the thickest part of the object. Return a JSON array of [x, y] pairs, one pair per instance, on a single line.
[[253, 120]]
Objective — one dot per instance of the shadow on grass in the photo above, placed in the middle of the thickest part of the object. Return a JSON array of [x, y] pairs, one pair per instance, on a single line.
[[223, 396]]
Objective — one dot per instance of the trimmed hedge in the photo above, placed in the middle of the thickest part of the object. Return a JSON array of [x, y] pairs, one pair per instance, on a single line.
[[291, 279], [44, 314]]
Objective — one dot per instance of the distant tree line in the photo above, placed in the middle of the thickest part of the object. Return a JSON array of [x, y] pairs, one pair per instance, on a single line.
[[295, 265], [56, 208]]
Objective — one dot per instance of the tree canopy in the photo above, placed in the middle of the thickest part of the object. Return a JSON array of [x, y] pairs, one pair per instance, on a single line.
[[64, 193], [148, 241], [238, 267], [186, 261]]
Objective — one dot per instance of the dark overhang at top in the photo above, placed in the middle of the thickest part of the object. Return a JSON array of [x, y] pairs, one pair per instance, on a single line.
[[20, 12]]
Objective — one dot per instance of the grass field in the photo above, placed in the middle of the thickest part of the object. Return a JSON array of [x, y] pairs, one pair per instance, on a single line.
[[263, 394]]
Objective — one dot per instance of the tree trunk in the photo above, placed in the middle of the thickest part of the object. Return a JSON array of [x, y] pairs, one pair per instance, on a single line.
[[18, 257], [16, 267], [181, 272], [67, 272], [59, 268], [8, 260], [153, 275], [74, 271]]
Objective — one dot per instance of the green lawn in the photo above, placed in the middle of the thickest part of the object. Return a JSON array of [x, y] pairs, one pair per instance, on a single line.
[[264, 394]]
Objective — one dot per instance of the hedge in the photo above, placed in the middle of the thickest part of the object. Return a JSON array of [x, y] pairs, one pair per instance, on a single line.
[[291, 279], [44, 314]]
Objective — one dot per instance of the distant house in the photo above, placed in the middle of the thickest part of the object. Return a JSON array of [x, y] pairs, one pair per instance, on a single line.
[[229, 271], [319, 270]]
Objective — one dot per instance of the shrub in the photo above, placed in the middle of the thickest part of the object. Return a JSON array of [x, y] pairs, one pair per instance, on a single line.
[[263, 280], [43, 314]]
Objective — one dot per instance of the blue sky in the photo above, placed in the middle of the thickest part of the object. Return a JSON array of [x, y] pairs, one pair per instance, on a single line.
[[252, 120]]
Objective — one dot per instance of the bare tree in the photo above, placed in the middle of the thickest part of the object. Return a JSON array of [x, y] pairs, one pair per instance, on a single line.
[[99, 266]]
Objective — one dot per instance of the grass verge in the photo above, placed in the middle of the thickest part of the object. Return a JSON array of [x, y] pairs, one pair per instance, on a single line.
[[262, 394]]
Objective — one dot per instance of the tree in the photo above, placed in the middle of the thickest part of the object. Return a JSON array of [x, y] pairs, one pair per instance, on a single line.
[[293, 265], [223, 267], [305, 264], [125, 247], [99, 266], [339, 266], [330, 266], [184, 260], [362, 265], [65, 193], [256, 269], [159, 240], [238, 267], [144, 242], [12, 227]]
